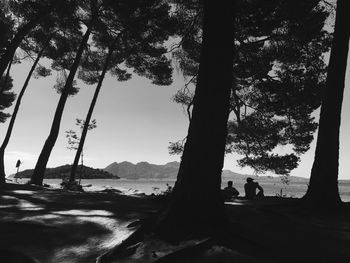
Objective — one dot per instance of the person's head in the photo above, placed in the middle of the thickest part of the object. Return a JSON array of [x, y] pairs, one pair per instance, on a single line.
[[250, 180], [230, 183]]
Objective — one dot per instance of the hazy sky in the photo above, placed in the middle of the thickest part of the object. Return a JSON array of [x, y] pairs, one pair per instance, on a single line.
[[135, 122]]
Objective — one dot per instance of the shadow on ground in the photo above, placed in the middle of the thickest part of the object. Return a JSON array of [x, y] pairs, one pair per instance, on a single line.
[[60, 226]]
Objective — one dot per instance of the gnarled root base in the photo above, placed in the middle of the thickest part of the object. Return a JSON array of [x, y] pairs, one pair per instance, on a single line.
[[143, 245]]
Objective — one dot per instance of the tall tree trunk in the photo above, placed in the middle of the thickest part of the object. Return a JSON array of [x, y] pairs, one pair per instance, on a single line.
[[13, 117], [197, 206], [88, 117], [40, 167], [323, 188]]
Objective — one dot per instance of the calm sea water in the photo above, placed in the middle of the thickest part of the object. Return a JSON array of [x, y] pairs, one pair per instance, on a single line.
[[147, 186]]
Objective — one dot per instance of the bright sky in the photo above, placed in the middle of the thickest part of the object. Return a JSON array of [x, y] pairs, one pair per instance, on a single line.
[[135, 122]]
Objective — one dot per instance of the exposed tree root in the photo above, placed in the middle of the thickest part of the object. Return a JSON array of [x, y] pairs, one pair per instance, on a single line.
[[164, 252]]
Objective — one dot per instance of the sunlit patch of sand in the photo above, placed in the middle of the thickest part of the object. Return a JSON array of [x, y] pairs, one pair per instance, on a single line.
[[7, 197], [5, 206], [9, 201], [19, 203], [27, 192], [93, 245], [116, 237], [68, 227], [76, 212], [28, 206], [233, 203]]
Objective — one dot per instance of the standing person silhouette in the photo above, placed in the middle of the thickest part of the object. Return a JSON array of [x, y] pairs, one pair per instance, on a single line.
[[18, 164], [250, 189]]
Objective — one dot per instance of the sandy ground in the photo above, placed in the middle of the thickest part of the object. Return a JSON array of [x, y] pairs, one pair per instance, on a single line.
[[60, 226]]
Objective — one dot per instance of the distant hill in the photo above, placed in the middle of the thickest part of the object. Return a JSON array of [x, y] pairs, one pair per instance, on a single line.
[[64, 172], [129, 170]]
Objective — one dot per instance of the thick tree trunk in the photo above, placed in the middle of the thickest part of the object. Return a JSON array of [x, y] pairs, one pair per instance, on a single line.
[[196, 206], [40, 167], [323, 188], [88, 117], [14, 114]]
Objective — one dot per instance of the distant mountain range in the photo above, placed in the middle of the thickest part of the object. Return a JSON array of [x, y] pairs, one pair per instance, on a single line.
[[141, 170], [63, 171], [129, 170]]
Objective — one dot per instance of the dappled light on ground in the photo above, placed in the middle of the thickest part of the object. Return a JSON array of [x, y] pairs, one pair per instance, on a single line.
[[60, 226], [24, 205], [26, 192], [233, 203], [69, 227], [75, 212]]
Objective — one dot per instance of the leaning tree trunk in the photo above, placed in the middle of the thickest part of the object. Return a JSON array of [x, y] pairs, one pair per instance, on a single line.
[[13, 117], [40, 167], [196, 206], [88, 117], [323, 188]]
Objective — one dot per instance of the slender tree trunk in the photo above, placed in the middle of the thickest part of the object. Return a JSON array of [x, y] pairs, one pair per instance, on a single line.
[[197, 206], [323, 188], [88, 117], [14, 114], [40, 167]]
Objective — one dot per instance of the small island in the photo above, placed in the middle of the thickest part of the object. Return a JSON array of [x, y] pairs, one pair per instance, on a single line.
[[63, 172]]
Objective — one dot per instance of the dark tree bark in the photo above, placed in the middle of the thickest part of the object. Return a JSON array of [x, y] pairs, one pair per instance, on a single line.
[[197, 206], [323, 188], [88, 117], [40, 167], [13, 117]]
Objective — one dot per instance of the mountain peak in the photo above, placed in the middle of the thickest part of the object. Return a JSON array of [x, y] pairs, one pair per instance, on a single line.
[[148, 170], [142, 163]]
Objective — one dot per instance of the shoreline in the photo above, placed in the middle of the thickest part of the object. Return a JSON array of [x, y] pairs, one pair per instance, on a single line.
[[146, 186]]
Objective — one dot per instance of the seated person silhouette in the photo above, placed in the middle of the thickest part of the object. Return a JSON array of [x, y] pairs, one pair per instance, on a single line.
[[250, 189], [229, 191]]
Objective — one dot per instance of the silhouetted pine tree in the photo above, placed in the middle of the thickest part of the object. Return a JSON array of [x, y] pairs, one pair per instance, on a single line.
[[137, 47], [279, 74], [43, 41], [196, 206], [65, 90], [31, 14], [323, 188], [14, 114], [88, 118], [6, 27]]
